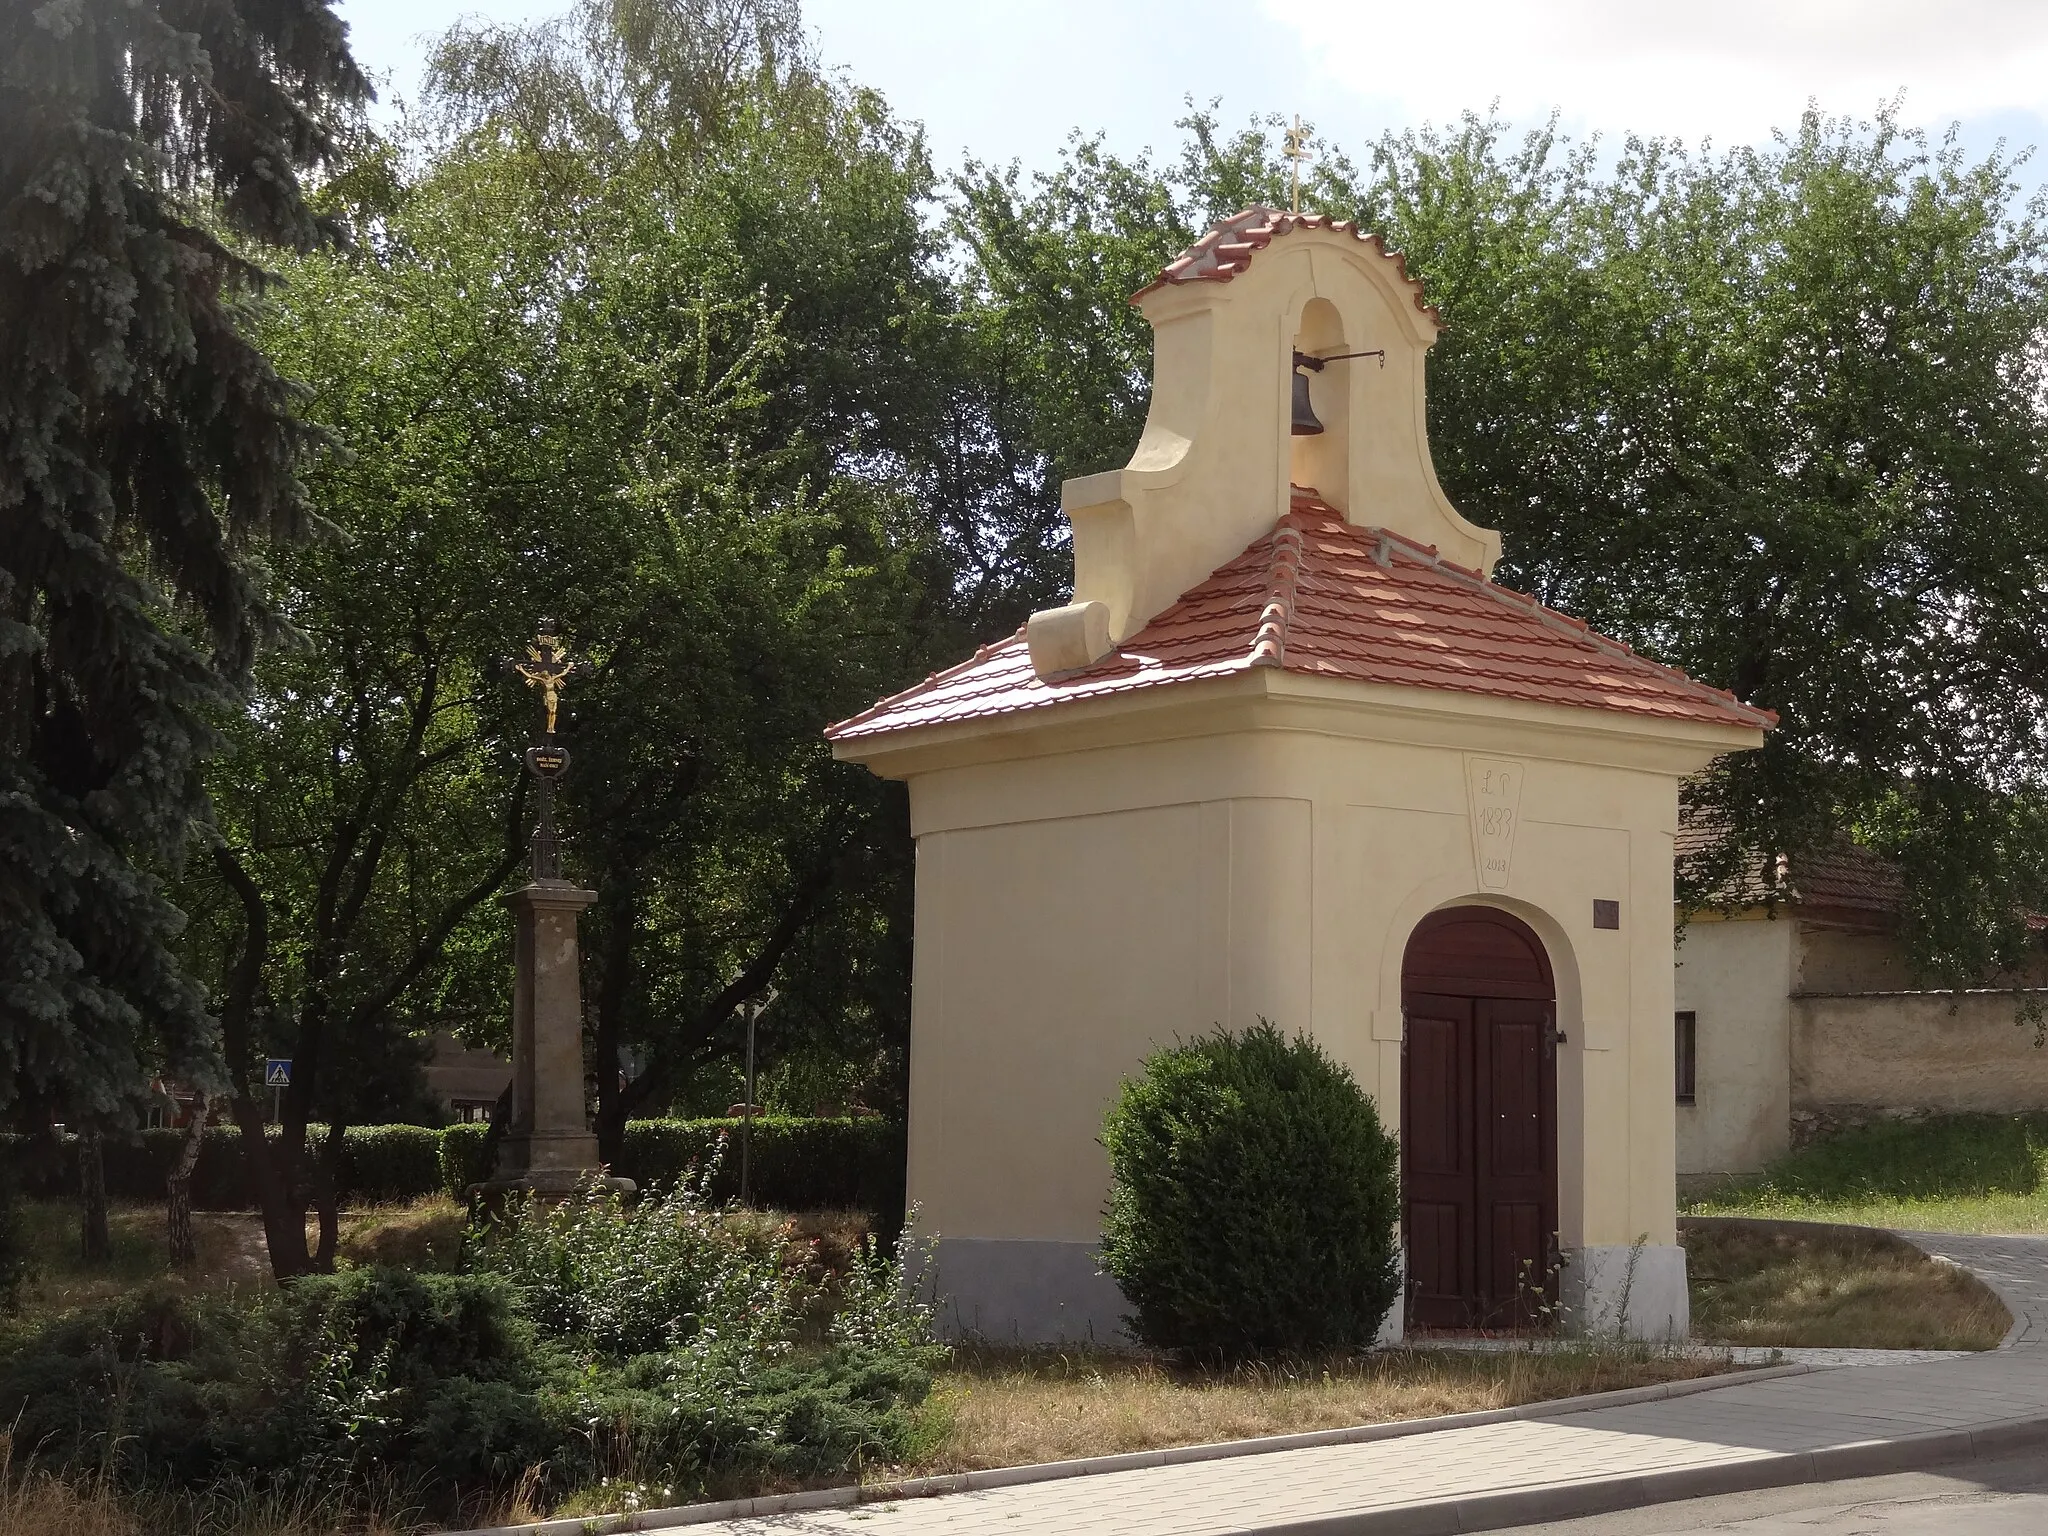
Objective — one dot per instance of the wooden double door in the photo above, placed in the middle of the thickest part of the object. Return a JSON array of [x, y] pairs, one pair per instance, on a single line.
[[1479, 1122]]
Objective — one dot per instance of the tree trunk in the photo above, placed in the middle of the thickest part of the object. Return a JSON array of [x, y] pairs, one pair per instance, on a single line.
[[178, 1187], [272, 1168], [95, 1243], [284, 1214], [327, 1200]]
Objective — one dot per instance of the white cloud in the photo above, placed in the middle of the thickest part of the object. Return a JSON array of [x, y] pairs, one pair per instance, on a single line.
[[1733, 69]]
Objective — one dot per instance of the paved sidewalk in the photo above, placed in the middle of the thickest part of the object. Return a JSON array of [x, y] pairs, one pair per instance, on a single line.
[[1741, 1354], [1466, 1479], [1829, 1423], [2015, 1267]]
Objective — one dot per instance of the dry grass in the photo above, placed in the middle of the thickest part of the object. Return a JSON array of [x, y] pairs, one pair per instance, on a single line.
[[995, 1408], [1852, 1290], [423, 1234], [231, 1254], [41, 1503], [418, 1234]]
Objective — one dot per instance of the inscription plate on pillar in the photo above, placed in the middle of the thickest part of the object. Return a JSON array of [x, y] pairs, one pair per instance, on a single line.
[[1494, 786]]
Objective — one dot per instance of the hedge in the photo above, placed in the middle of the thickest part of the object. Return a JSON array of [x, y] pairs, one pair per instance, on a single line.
[[798, 1164]]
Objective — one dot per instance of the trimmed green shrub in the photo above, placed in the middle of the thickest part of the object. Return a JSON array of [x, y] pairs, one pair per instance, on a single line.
[[390, 1162], [798, 1164], [465, 1157], [1252, 1201], [17, 1263], [136, 1170], [378, 1162]]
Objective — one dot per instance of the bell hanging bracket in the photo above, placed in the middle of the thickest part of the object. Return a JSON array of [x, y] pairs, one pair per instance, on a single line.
[[1305, 422]]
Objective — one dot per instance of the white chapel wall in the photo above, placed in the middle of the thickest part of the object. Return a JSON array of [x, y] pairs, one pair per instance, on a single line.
[[1735, 977], [1076, 910]]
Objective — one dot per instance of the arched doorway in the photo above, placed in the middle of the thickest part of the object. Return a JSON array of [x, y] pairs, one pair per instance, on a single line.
[[1478, 1122]]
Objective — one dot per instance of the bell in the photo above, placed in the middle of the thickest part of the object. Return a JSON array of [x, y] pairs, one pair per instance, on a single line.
[[1305, 423]]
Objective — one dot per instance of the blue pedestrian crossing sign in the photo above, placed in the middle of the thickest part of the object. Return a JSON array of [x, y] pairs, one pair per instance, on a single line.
[[277, 1072]]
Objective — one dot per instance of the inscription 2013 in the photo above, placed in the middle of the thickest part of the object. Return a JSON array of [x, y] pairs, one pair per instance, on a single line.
[[1495, 788]]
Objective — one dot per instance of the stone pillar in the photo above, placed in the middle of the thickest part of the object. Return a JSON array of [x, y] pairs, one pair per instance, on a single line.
[[548, 1146]]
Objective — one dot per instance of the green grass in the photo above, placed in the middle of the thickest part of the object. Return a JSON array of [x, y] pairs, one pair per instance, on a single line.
[[1947, 1173]]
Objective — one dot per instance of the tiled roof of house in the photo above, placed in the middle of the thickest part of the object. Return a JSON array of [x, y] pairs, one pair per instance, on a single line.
[[1322, 597], [1227, 250], [1847, 876]]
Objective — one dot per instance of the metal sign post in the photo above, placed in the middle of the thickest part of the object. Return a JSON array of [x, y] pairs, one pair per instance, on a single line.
[[747, 1109], [277, 1076]]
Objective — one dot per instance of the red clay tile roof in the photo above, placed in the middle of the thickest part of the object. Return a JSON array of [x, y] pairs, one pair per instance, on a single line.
[[1846, 876], [1228, 249], [1321, 597]]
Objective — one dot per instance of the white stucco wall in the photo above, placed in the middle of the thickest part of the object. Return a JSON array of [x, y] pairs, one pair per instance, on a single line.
[[1076, 909], [1737, 976]]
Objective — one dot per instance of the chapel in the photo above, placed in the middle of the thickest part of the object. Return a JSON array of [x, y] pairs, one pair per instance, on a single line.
[[1290, 753]]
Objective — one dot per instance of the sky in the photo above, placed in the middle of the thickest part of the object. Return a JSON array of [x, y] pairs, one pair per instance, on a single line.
[[1008, 80]]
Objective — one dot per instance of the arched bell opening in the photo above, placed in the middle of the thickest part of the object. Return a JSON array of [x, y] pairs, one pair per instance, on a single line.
[[1322, 460], [1479, 1207]]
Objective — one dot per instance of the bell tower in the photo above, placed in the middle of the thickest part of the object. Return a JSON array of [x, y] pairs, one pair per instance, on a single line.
[[1230, 320]]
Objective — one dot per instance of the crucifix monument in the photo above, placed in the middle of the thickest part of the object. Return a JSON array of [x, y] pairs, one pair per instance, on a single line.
[[548, 1146]]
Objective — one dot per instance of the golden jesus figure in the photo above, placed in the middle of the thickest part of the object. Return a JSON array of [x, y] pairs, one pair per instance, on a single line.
[[547, 666]]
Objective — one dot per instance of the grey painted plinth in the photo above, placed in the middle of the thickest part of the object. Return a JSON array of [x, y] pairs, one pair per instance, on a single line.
[[1024, 1291], [548, 1148], [1637, 1292], [1036, 1291]]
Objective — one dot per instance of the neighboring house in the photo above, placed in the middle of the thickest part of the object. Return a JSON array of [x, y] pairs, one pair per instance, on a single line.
[[464, 1080], [1803, 1016], [172, 1104]]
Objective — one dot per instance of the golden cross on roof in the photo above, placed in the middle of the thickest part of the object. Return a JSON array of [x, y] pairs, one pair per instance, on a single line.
[[1297, 151]]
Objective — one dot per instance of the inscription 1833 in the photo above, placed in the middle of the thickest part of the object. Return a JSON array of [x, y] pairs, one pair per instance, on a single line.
[[1494, 786]]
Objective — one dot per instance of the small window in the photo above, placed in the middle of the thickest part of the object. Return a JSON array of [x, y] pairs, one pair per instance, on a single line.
[[1686, 1054]]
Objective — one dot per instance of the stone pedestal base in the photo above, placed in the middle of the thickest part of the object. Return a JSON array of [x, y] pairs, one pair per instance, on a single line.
[[547, 1157], [546, 1166], [548, 1150]]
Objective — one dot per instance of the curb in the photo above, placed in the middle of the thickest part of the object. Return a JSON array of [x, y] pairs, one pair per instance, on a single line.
[[686, 1515], [1494, 1511], [2023, 1316]]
